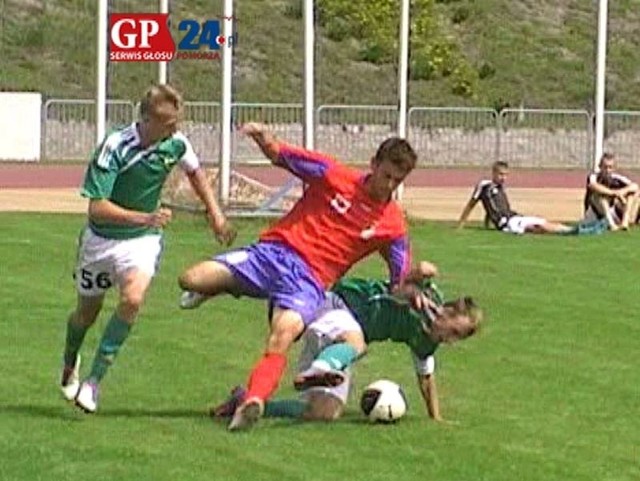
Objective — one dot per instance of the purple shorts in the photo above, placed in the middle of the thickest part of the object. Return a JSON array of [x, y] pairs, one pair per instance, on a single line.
[[273, 271]]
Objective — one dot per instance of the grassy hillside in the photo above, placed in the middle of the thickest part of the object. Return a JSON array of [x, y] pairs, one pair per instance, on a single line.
[[539, 53]]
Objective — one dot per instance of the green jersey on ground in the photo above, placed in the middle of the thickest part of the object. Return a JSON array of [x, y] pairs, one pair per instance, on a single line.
[[385, 317], [131, 176]]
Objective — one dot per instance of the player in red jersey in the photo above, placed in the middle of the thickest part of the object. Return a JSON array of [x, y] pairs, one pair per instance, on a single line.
[[342, 217]]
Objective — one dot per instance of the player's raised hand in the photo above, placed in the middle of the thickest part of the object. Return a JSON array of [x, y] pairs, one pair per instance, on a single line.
[[160, 217], [410, 292], [265, 140], [422, 303], [421, 271], [426, 269], [253, 129]]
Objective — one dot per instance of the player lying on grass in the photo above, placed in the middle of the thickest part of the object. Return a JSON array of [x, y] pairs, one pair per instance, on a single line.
[[342, 217], [122, 242], [611, 196], [358, 312], [498, 210]]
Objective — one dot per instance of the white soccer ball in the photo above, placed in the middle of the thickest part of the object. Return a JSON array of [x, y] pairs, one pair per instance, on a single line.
[[383, 401]]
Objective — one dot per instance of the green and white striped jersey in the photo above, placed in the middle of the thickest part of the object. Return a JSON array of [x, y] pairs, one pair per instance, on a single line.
[[131, 176]]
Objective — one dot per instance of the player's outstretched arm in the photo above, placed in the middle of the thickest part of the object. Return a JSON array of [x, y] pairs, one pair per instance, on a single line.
[[429, 391], [104, 211], [223, 230], [307, 165], [466, 212]]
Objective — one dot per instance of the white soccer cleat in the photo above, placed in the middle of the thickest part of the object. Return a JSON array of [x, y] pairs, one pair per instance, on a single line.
[[247, 414], [70, 381], [87, 398], [191, 300]]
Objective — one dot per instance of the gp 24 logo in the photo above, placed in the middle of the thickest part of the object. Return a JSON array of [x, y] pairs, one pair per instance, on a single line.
[[145, 37]]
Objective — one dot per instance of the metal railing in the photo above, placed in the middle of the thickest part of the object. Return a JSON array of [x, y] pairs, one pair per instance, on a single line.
[[68, 126], [546, 138], [443, 136], [454, 136], [353, 132]]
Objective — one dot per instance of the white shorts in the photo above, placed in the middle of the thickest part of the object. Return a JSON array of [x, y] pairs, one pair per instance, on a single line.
[[103, 262], [323, 332], [518, 224]]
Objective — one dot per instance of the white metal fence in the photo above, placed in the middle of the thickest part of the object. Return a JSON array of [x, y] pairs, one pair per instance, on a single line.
[[353, 132], [455, 136], [452, 137], [545, 138], [622, 136], [69, 126]]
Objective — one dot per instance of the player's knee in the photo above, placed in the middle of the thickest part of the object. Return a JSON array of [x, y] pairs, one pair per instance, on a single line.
[[286, 327], [281, 340], [86, 316], [209, 277], [131, 302], [323, 407], [87, 310], [355, 340], [187, 280]]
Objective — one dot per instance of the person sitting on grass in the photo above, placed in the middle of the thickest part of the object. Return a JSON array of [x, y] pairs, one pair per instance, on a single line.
[[611, 196], [498, 210]]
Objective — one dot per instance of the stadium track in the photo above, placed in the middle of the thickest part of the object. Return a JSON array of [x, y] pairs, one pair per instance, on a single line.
[[437, 194]]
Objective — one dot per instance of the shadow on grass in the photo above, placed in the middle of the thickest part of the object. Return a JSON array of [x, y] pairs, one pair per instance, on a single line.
[[69, 412]]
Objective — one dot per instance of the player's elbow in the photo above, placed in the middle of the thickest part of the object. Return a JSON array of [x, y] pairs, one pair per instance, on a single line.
[[97, 209], [194, 173]]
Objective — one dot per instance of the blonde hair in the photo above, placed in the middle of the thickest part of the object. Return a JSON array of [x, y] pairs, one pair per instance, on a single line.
[[464, 306], [159, 94]]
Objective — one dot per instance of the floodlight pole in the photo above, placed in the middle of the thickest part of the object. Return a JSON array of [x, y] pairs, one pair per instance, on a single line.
[[309, 60], [162, 66], [603, 11], [101, 84], [224, 173], [403, 78]]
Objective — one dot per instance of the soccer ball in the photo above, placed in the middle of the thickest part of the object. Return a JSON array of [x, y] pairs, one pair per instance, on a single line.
[[383, 401]]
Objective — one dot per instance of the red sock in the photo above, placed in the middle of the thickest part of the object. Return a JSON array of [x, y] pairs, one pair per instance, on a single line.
[[266, 375]]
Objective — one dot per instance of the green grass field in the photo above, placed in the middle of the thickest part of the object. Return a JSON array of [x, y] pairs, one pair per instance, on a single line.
[[549, 390]]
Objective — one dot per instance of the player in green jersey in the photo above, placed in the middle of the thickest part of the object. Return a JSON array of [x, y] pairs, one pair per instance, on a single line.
[[122, 242], [359, 312]]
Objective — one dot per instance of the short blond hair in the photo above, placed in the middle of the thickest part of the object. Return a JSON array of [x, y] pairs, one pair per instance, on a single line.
[[158, 94]]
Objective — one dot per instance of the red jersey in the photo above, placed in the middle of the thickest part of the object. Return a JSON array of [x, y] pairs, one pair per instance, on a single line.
[[336, 223]]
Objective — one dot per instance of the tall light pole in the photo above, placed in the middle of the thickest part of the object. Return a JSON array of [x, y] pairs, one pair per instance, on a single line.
[[603, 13], [403, 78], [224, 172], [101, 77]]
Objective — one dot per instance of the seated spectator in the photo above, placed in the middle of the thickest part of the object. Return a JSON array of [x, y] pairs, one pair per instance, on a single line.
[[610, 196], [498, 210]]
